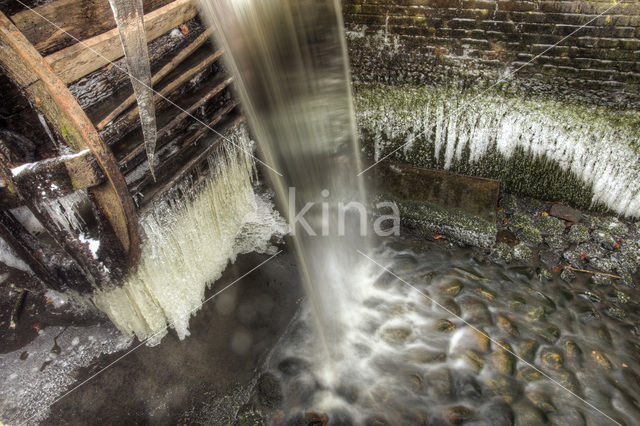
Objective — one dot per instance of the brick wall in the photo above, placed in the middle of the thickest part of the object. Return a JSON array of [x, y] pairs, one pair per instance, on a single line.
[[431, 40]]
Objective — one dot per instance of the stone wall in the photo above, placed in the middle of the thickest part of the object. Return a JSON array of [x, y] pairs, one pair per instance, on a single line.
[[429, 40]]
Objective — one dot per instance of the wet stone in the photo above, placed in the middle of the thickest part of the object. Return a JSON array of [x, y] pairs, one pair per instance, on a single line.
[[573, 354], [497, 412], [439, 380], [466, 386], [504, 387], [502, 252], [551, 359], [269, 391], [309, 418], [293, 366], [567, 275], [476, 312], [528, 415], [445, 326], [569, 416], [601, 360], [485, 293], [474, 360], [549, 225], [578, 234], [424, 356], [503, 359], [457, 414], [451, 289], [566, 379], [530, 235], [564, 212], [556, 242], [541, 400], [600, 280], [544, 275], [415, 381], [549, 258], [615, 313], [516, 303], [376, 420], [527, 349], [604, 238], [574, 257], [529, 374], [522, 252], [395, 335], [506, 325], [549, 334], [536, 314], [449, 306], [592, 250]]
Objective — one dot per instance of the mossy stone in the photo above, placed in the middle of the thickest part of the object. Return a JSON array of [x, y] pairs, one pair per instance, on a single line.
[[530, 235], [549, 225], [522, 252], [578, 234]]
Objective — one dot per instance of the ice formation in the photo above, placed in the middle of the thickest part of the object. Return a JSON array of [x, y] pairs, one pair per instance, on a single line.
[[189, 242], [129, 17], [600, 149]]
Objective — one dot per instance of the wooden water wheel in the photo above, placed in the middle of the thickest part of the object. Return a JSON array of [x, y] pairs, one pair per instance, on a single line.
[[70, 123]]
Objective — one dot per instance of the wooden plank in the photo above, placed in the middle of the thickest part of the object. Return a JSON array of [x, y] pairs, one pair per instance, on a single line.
[[80, 18], [78, 60], [196, 65], [194, 161], [174, 157], [166, 131], [55, 177], [50, 95], [162, 72], [25, 246]]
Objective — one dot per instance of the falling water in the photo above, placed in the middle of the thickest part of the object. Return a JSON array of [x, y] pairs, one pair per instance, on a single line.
[[289, 62], [130, 20]]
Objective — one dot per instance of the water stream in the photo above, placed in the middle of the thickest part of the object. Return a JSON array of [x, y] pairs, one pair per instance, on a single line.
[[290, 67]]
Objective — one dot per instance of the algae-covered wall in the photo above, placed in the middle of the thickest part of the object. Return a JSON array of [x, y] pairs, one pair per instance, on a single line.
[[597, 52], [479, 88]]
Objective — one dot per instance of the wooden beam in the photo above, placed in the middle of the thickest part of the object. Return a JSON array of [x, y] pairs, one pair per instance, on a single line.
[[162, 72], [166, 131], [55, 177], [76, 61], [80, 18], [50, 95], [173, 158], [194, 161], [128, 121]]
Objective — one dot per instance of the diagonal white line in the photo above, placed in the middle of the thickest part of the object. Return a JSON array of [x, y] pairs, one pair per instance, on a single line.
[[158, 332], [126, 71], [477, 330], [466, 104]]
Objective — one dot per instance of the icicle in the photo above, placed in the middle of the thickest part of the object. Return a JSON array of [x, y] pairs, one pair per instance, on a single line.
[[130, 20], [189, 242]]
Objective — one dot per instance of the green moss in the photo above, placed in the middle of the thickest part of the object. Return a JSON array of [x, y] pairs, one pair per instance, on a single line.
[[578, 234], [530, 235], [548, 225], [428, 219], [520, 219], [393, 115], [522, 252]]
